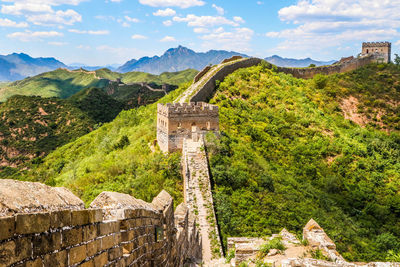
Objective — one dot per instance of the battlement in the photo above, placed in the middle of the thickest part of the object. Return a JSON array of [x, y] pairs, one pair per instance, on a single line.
[[177, 109], [178, 121], [376, 44], [117, 229]]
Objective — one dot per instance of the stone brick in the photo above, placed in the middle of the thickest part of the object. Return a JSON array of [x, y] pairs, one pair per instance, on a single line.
[[23, 248], [32, 223], [95, 215], [90, 232], [88, 264], [34, 263], [107, 242], [76, 255], [46, 243], [71, 237], [56, 259], [7, 227], [109, 227], [59, 219], [101, 259], [93, 247], [7, 253], [79, 217], [114, 253], [127, 236]]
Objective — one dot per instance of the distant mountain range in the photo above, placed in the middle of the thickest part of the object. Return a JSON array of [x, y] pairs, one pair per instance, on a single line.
[[296, 63], [177, 59], [19, 66]]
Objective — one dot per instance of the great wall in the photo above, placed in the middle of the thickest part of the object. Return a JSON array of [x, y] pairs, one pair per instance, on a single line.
[[45, 226]]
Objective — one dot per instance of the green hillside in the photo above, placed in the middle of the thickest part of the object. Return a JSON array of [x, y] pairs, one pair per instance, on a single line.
[[31, 126], [63, 83], [286, 154], [116, 157]]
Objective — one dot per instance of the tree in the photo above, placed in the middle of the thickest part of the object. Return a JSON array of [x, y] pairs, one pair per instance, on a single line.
[[312, 66], [397, 59]]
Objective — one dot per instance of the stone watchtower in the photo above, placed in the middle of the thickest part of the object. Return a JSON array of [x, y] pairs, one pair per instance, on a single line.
[[178, 121], [384, 49]]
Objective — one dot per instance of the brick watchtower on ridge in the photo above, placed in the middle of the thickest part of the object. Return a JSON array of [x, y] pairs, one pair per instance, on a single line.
[[178, 121], [384, 49]]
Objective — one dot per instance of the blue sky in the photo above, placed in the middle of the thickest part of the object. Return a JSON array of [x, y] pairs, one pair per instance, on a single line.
[[100, 32]]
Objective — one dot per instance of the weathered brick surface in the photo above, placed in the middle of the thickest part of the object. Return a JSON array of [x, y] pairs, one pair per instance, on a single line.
[[32, 223], [82, 238], [7, 227], [76, 255]]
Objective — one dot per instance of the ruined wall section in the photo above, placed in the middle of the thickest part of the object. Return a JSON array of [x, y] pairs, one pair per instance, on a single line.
[[353, 64], [126, 233], [205, 91]]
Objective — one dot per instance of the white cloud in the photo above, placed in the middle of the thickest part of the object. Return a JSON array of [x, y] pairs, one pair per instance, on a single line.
[[68, 17], [238, 19], [31, 36], [177, 3], [167, 23], [57, 43], [331, 23], [201, 30], [138, 37], [134, 20], [238, 39], [98, 32], [397, 43], [260, 3], [169, 12], [42, 12], [168, 39], [219, 9], [205, 21], [10, 23]]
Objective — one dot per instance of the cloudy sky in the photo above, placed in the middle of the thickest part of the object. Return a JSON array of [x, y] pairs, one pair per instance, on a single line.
[[99, 32]]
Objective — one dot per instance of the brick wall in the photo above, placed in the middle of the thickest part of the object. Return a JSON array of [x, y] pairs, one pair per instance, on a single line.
[[307, 73], [206, 91], [117, 234]]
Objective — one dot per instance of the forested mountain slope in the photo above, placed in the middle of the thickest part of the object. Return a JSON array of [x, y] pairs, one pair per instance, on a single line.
[[63, 83], [286, 154]]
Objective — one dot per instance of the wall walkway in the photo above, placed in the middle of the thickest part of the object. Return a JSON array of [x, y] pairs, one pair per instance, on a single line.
[[198, 198]]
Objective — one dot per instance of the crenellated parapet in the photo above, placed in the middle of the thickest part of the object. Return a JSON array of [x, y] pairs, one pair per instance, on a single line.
[[376, 44], [117, 230], [177, 121]]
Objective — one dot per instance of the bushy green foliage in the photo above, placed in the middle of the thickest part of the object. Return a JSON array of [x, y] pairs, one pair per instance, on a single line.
[[116, 157], [286, 154], [393, 256], [275, 243], [319, 255]]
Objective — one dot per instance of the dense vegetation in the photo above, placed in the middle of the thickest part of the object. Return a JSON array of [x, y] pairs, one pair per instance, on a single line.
[[286, 154], [31, 126], [116, 157], [63, 83]]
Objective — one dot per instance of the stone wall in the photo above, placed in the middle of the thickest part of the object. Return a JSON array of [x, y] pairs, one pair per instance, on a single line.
[[201, 74], [205, 91], [353, 64], [118, 230], [382, 48], [178, 121]]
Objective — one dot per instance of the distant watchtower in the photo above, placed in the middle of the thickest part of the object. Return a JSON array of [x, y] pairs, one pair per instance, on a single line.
[[178, 121], [384, 49]]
